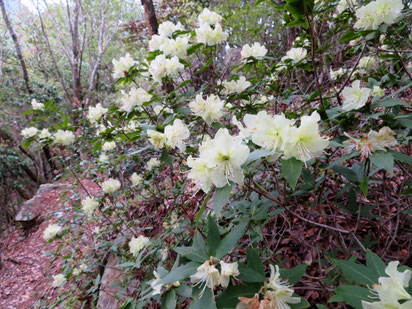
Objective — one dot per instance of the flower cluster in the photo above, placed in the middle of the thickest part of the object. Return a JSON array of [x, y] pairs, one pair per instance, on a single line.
[[236, 86], [210, 109], [122, 66], [279, 135], [174, 136], [210, 30], [89, 205], [256, 51], [137, 244], [51, 231], [219, 161], [95, 113], [355, 97], [36, 105], [372, 142], [277, 294], [135, 97], [63, 137], [391, 290], [111, 185], [378, 12], [209, 275]]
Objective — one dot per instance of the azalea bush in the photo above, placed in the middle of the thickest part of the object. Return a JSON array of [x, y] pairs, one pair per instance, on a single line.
[[203, 165]]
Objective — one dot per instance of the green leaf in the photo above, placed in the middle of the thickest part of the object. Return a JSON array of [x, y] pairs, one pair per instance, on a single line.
[[320, 306], [220, 198], [213, 236], [375, 263], [383, 160], [180, 273], [202, 208], [198, 242], [184, 290], [249, 275], [356, 272], [204, 301], [351, 294], [169, 300], [192, 253], [347, 173], [293, 275], [351, 35], [253, 260], [342, 159], [400, 156], [229, 297], [230, 240], [257, 154], [390, 103], [291, 170], [166, 158], [303, 303]]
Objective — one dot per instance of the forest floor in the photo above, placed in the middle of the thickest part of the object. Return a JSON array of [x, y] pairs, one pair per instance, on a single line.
[[27, 269]]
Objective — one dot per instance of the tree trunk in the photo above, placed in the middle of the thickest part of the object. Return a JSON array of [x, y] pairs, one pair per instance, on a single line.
[[17, 45], [150, 17]]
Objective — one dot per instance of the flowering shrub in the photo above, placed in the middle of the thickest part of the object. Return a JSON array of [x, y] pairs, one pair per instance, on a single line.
[[221, 152]]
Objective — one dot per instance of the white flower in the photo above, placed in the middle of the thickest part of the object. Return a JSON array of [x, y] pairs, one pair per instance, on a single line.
[[207, 274], [155, 285], [354, 97], [137, 244], [383, 139], [295, 54], [37, 105], [162, 67], [104, 158], [157, 139], [269, 133], [377, 91], [224, 155], [391, 289], [342, 5], [121, 66], [208, 17], [29, 132], [156, 41], [167, 28], [377, 12], [159, 108], [44, 134], [236, 86], [279, 293], [111, 185], [256, 51], [367, 62], [210, 36], [95, 113], [51, 231], [164, 254], [136, 179], [334, 75], [58, 280], [227, 270], [152, 163], [210, 109], [304, 142], [107, 146], [200, 173], [176, 134], [175, 47], [78, 270], [63, 137], [89, 205], [135, 97]]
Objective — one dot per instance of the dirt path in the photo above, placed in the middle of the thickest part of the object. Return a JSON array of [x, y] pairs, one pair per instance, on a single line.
[[25, 277]]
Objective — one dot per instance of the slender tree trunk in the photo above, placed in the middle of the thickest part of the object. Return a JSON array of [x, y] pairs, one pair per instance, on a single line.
[[17, 45], [150, 17]]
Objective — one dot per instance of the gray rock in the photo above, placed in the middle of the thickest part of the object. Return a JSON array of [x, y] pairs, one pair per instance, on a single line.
[[110, 285], [31, 209]]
